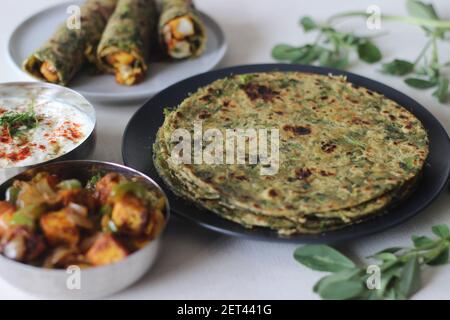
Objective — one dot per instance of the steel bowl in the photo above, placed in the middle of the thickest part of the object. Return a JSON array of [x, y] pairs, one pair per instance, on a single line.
[[90, 283], [15, 93]]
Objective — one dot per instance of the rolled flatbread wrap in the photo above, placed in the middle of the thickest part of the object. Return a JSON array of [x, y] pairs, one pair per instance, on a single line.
[[124, 47], [63, 55], [181, 31]]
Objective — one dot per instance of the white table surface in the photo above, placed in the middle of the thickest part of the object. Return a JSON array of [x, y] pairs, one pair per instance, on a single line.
[[199, 264]]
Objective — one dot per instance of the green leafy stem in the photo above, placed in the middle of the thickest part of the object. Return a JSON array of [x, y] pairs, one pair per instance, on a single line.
[[423, 22], [398, 274], [332, 48]]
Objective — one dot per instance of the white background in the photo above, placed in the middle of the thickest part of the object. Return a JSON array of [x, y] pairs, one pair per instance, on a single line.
[[199, 264]]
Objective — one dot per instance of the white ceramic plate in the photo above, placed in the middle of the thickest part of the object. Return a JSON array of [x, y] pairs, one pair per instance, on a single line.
[[34, 31]]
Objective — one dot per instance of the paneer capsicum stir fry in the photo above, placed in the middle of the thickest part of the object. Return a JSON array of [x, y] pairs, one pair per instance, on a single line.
[[57, 223]]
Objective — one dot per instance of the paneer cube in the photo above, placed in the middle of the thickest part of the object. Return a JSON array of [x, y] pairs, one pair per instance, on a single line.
[[59, 229], [106, 250], [153, 229], [105, 185], [156, 224], [49, 72], [182, 27], [130, 216], [121, 58]]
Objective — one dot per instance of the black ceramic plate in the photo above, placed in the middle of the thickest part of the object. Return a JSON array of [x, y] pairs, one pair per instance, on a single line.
[[141, 131]]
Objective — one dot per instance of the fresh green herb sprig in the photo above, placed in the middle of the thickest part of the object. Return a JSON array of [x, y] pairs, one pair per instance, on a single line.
[[426, 72], [332, 48], [399, 268], [427, 69], [18, 122]]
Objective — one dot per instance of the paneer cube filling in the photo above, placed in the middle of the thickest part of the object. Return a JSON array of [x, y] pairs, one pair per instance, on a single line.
[[49, 72], [179, 34], [128, 69]]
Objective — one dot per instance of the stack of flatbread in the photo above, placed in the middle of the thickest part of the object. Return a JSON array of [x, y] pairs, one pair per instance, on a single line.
[[345, 153]]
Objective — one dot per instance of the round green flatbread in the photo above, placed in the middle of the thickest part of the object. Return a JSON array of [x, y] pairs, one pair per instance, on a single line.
[[340, 146]]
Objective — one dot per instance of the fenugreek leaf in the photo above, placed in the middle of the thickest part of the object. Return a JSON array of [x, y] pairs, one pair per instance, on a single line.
[[369, 52], [385, 256], [441, 231], [410, 280], [286, 52], [342, 290], [323, 258], [398, 67], [388, 278], [346, 274], [420, 83], [438, 256], [422, 242], [308, 23], [421, 10]]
